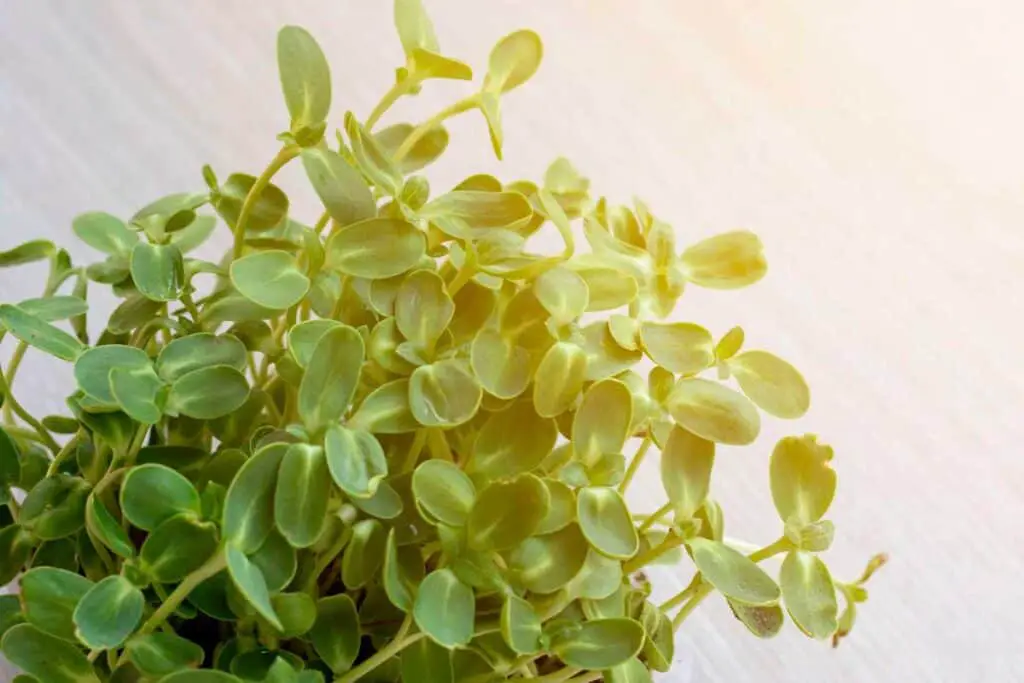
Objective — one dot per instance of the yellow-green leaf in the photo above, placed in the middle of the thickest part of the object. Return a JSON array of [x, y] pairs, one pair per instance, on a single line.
[[513, 441], [376, 248], [803, 482], [444, 394], [423, 308], [514, 59], [445, 609], [809, 594], [714, 412], [506, 513], [443, 492], [773, 384], [727, 261], [606, 523], [599, 643], [559, 379], [731, 572], [305, 77], [681, 348], [686, 463], [602, 421], [502, 366]]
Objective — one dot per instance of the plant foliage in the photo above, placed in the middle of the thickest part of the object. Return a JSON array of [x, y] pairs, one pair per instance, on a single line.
[[391, 444]]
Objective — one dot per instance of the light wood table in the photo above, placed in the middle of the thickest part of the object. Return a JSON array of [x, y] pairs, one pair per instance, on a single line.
[[875, 146]]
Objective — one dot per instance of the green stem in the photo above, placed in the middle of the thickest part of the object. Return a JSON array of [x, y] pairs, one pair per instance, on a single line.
[[62, 455], [418, 441], [286, 154], [12, 370], [634, 464], [703, 591], [212, 566], [390, 97], [399, 643], [683, 595], [655, 516], [419, 131], [645, 558], [560, 675], [26, 417], [193, 310], [782, 545], [322, 222]]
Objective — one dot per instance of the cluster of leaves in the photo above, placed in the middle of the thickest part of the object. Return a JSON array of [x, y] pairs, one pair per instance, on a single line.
[[389, 446]]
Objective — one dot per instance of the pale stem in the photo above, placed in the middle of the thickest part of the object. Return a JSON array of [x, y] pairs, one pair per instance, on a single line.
[[655, 516], [390, 97], [287, 153], [634, 464], [419, 131], [212, 566], [398, 644]]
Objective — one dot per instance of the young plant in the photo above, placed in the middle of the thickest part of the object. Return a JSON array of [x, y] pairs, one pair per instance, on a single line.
[[390, 446]]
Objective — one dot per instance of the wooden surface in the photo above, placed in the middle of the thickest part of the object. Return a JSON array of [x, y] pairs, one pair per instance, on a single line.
[[876, 149]]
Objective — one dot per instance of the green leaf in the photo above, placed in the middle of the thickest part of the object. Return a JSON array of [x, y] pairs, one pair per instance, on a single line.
[[10, 462], [305, 77], [269, 208], [303, 491], [659, 645], [773, 384], [303, 338], [137, 393], [764, 621], [803, 482], [10, 613], [249, 505], [490, 107], [506, 513], [271, 279], [27, 252], [686, 464], [297, 612], [336, 633], [386, 410], [356, 460], [513, 441], [809, 594], [248, 579], [278, 561], [444, 394], [105, 528], [331, 377], [423, 309], [445, 609], [732, 573], [680, 348], [730, 344], [133, 313], [341, 188], [443, 492], [606, 523], [49, 597], [726, 261], [158, 270], [108, 613], [47, 658], [561, 507], [177, 548], [520, 626], [40, 334], [425, 660], [105, 233], [159, 654], [185, 354], [502, 366], [563, 292], [399, 585], [93, 369], [599, 643], [479, 210], [602, 422], [415, 29], [559, 379], [195, 235], [53, 308], [425, 151], [16, 546], [152, 494], [547, 563], [208, 393], [371, 159], [364, 553], [375, 248], [714, 412], [201, 676], [630, 671], [424, 64], [514, 59], [55, 507]]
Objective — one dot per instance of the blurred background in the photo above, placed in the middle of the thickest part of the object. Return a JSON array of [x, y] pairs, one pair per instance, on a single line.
[[876, 148]]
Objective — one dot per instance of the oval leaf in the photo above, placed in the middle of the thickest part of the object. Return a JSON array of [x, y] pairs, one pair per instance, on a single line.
[[803, 482], [208, 393], [40, 334], [355, 459], [443, 492], [734, 574], [331, 378], [159, 654], [502, 367], [727, 261], [599, 643], [513, 61], [606, 523], [559, 379], [49, 597], [364, 553], [445, 609], [423, 308], [249, 505], [809, 594], [602, 422], [305, 77], [108, 613], [544, 564], [93, 368], [513, 441], [686, 463], [714, 412], [335, 634], [773, 384], [248, 579], [152, 494], [104, 232], [520, 626], [340, 187], [45, 657], [506, 513], [158, 270], [185, 354], [444, 394], [302, 493], [271, 279], [680, 348], [376, 248]]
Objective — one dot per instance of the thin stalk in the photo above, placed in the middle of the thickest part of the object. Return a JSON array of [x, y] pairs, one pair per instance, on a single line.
[[62, 455], [390, 97], [211, 567], [419, 131], [12, 371], [780, 546], [384, 654], [683, 595], [655, 517], [645, 558], [634, 464], [286, 154], [418, 441], [322, 222], [698, 596], [26, 417]]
